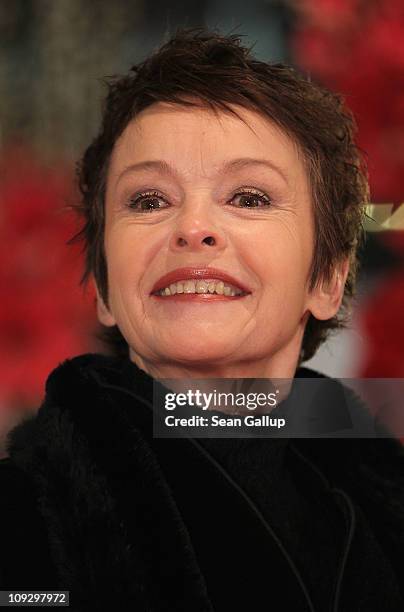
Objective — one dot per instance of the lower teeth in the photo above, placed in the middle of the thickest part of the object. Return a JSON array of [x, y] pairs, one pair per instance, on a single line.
[[162, 292]]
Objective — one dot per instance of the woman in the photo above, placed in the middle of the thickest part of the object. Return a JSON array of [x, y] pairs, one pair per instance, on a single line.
[[222, 204]]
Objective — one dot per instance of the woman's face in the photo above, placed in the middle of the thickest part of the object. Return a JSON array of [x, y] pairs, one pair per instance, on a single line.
[[188, 189]]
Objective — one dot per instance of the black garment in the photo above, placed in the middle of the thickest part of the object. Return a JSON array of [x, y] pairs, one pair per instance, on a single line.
[[92, 503], [305, 516]]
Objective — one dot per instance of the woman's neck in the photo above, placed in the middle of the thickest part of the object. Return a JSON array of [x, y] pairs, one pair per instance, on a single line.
[[274, 375]]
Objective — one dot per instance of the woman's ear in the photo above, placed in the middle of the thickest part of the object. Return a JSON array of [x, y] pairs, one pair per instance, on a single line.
[[325, 299], [104, 315]]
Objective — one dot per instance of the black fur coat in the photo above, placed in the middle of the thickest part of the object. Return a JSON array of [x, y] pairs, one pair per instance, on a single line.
[[93, 504]]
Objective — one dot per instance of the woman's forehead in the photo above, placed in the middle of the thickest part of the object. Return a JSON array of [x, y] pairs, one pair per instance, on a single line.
[[201, 139]]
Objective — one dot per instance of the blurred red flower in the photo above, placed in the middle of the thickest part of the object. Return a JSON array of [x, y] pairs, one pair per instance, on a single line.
[[356, 47], [383, 323], [44, 316]]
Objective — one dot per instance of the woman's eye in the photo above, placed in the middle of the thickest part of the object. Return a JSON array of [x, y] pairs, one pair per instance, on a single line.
[[147, 201], [153, 200], [251, 199]]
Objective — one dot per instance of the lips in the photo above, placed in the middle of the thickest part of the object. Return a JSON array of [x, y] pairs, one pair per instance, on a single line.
[[189, 273]]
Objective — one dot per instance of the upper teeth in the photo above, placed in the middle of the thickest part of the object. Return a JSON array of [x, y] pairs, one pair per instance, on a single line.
[[201, 286]]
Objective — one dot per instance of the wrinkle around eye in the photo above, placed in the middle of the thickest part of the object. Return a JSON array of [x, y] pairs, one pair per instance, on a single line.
[[277, 198], [131, 190]]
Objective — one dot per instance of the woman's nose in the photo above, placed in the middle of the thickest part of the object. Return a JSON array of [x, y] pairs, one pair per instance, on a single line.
[[197, 238]]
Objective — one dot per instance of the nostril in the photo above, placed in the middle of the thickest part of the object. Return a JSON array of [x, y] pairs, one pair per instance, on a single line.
[[210, 240]]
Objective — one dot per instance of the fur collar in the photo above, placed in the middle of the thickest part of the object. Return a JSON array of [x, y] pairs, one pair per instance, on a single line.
[[76, 450], [88, 451]]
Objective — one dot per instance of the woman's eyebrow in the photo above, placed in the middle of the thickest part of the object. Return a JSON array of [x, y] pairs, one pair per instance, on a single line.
[[165, 168]]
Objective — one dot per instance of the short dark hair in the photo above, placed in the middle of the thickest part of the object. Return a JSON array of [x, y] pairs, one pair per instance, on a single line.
[[197, 67]]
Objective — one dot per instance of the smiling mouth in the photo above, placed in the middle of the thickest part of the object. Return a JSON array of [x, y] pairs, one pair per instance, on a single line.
[[205, 289]]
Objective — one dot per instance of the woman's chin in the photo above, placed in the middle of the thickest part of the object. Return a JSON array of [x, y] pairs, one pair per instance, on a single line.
[[200, 352]]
